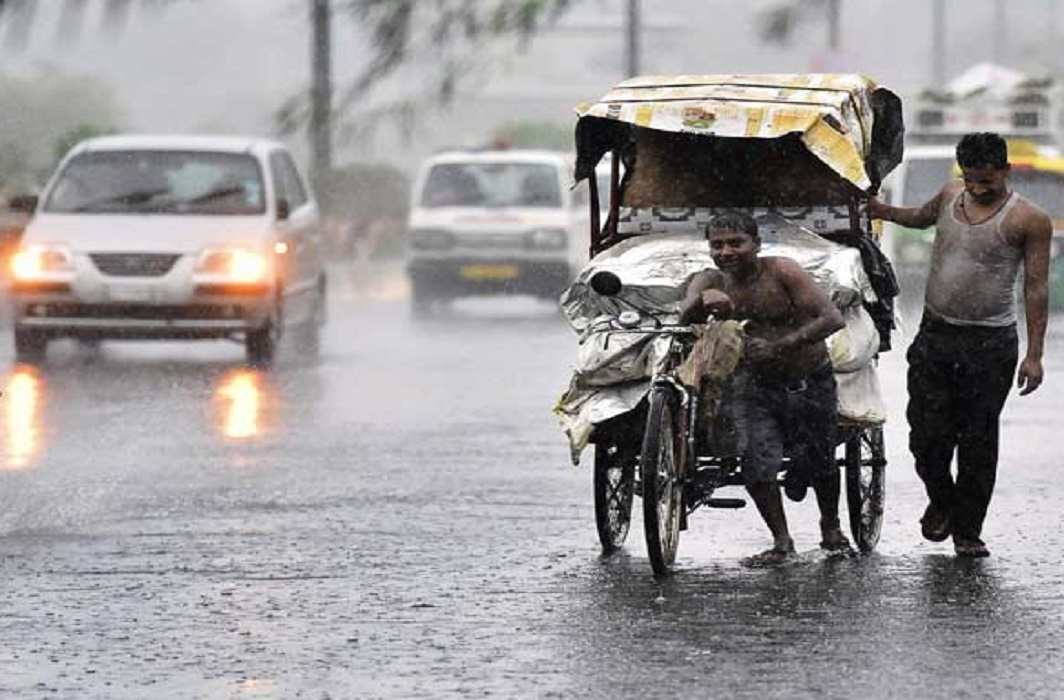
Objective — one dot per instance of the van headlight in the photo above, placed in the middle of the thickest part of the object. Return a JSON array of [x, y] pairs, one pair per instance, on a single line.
[[547, 239], [233, 264], [35, 261]]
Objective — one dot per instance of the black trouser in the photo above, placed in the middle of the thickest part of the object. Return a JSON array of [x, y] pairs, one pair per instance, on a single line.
[[959, 377], [758, 418]]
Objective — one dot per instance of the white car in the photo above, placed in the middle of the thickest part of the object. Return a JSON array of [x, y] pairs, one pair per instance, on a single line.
[[170, 237], [491, 222]]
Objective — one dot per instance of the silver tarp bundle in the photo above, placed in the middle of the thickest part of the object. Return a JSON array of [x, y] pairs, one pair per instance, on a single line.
[[614, 366]]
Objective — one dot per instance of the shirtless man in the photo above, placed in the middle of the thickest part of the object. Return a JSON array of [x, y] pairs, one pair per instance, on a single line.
[[785, 373], [962, 361]]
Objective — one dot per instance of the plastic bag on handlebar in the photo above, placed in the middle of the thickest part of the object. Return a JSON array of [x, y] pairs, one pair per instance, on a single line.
[[715, 354]]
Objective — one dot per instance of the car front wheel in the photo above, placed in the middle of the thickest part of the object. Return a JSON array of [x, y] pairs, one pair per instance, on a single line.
[[260, 345]]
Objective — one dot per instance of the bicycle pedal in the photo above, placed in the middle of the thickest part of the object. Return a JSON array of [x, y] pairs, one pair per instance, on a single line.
[[725, 503]]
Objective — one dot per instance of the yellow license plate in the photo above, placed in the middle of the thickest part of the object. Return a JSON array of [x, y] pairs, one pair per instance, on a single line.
[[489, 272]]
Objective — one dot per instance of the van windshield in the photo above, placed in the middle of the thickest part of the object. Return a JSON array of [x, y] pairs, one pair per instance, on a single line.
[[159, 182], [492, 185]]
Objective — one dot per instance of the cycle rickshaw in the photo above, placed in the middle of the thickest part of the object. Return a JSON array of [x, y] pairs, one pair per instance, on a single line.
[[801, 153]]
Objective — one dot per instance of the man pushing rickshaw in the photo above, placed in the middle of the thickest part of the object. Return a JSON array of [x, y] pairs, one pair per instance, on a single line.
[[784, 389], [774, 173]]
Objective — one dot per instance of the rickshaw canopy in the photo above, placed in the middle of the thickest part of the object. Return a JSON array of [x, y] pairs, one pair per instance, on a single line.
[[846, 121]]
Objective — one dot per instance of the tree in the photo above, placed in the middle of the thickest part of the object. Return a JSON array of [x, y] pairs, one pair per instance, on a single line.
[[781, 21], [73, 136], [445, 40], [364, 190], [535, 134], [20, 17], [36, 114]]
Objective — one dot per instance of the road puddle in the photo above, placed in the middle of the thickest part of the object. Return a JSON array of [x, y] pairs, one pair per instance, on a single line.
[[22, 399], [244, 397]]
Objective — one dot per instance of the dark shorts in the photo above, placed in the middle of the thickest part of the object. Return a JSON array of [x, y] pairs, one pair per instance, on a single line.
[[759, 419]]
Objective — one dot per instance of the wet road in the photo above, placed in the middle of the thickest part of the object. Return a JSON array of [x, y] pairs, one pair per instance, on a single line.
[[399, 519]]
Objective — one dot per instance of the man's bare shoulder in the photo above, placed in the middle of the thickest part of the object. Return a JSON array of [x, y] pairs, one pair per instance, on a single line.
[[781, 266], [1028, 219], [952, 188]]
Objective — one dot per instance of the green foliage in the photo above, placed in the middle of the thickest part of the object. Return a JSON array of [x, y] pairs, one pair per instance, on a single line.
[[400, 29], [536, 134], [364, 191], [778, 23], [72, 137], [444, 38], [37, 110]]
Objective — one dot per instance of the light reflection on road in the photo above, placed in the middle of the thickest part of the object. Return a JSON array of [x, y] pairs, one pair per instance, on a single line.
[[256, 689], [22, 402], [243, 394]]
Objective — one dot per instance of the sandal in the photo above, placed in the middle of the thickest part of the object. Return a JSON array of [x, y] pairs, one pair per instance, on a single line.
[[770, 557], [974, 548], [835, 541], [935, 525]]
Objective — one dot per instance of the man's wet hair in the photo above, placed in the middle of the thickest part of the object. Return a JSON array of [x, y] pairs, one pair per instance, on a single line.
[[982, 150], [733, 221]]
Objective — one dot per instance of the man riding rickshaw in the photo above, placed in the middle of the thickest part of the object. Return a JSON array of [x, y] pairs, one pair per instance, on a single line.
[[734, 189]]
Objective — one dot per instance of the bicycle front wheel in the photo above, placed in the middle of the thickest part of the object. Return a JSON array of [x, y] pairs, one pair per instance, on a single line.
[[659, 465]]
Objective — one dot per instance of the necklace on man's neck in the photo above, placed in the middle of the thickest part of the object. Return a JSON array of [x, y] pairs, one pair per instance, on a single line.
[[968, 220]]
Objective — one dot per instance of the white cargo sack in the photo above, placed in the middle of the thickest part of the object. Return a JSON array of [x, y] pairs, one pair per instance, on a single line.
[[860, 400], [854, 346]]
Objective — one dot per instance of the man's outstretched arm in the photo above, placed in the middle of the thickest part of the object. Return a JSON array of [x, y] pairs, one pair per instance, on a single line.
[[820, 318], [909, 217]]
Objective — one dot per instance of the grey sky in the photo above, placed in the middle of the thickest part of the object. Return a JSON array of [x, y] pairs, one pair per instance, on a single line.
[[225, 65]]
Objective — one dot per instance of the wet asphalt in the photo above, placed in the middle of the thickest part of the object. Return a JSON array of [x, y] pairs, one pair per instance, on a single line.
[[398, 519]]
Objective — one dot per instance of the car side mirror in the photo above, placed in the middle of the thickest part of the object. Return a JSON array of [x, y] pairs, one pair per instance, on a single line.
[[606, 283], [284, 210], [23, 203]]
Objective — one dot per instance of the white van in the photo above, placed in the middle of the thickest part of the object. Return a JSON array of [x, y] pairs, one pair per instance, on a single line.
[[495, 222], [170, 237]]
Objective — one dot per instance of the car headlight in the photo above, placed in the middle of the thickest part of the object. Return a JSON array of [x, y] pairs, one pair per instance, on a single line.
[[547, 238], [41, 260], [233, 264], [431, 239]]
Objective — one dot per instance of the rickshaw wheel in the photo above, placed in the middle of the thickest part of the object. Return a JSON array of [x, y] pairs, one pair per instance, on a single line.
[[865, 488], [660, 473], [614, 483]]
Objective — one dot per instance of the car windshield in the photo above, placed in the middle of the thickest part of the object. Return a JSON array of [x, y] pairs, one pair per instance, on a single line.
[[924, 177], [492, 185], [159, 182]]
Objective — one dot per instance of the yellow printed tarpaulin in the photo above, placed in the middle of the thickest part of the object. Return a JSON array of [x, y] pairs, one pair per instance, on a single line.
[[846, 121]]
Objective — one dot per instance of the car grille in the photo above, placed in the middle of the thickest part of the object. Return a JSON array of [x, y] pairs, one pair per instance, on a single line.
[[134, 264], [141, 312]]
